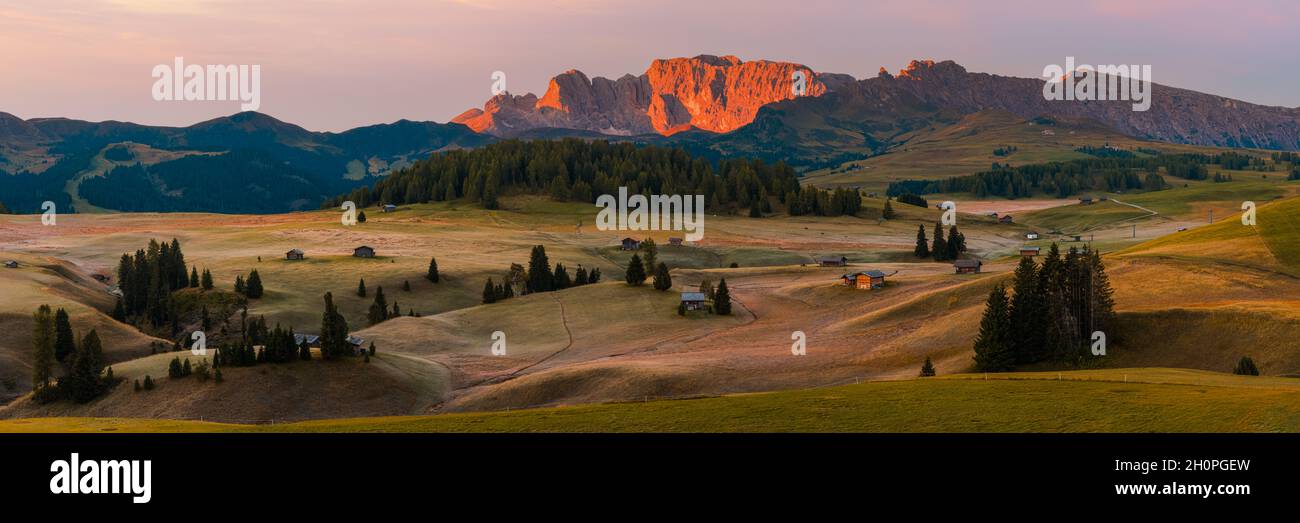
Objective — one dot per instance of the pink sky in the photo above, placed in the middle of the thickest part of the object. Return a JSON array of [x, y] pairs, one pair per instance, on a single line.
[[336, 64]]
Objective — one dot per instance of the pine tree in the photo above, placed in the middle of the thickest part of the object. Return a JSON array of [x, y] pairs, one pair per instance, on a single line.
[[635, 271], [888, 212], [489, 292], [88, 364], [148, 382], [186, 369], [406, 285], [939, 249], [361, 288], [194, 277], [119, 310], [922, 243], [651, 258], [432, 275], [594, 275], [65, 344], [540, 278], [562, 280], [206, 280], [253, 289], [334, 331], [722, 299], [993, 351], [663, 280], [372, 348], [239, 284], [378, 309], [42, 347], [1246, 367], [955, 243], [1026, 312], [580, 277], [927, 368]]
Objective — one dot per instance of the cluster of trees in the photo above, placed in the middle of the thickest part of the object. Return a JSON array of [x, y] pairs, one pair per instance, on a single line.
[[580, 170], [147, 281], [250, 288], [912, 199], [1005, 150], [1112, 172], [84, 377], [379, 310], [538, 277], [1050, 316], [942, 249]]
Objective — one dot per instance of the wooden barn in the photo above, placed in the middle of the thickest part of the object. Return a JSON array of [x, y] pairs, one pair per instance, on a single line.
[[294, 254], [1029, 252], [864, 280], [967, 266], [363, 252], [631, 244], [693, 301], [832, 261]]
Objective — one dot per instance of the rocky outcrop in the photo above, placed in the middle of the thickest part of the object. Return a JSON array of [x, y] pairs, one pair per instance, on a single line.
[[710, 93]]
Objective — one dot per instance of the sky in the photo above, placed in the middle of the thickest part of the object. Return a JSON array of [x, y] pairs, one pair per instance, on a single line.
[[330, 65]]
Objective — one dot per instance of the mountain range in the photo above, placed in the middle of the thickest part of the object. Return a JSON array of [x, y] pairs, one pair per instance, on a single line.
[[713, 106]]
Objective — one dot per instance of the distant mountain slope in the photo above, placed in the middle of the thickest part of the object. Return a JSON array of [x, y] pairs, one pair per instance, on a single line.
[[285, 166], [873, 114]]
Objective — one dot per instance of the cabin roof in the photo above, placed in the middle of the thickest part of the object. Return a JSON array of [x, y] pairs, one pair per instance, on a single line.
[[967, 263], [1028, 248], [872, 273], [693, 296]]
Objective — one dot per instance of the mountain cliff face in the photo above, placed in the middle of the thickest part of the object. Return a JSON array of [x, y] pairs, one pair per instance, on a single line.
[[710, 93]]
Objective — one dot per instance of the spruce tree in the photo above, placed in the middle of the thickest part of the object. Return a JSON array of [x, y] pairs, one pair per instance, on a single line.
[[1246, 367], [927, 368], [119, 310], [432, 275], [580, 277], [722, 299], [88, 364], [993, 351], [334, 331], [562, 280], [239, 284], [1026, 312], [361, 288], [651, 258], [489, 292], [594, 275], [253, 288], [663, 280], [540, 278], [939, 249], [206, 281], [956, 243], [378, 309], [42, 347], [406, 285], [65, 344], [194, 277], [635, 271]]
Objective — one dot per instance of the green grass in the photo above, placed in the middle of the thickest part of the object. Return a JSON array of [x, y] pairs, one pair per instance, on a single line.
[[1121, 400]]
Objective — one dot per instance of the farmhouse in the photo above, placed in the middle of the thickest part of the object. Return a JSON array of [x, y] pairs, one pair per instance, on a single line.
[[865, 280], [967, 266], [693, 301], [363, 252], [311, 339], [1006, 218], [356, 343], [390, 208], [630, 244], [1029, 252], [11, 264], [293, 254], [674, 241], [832, 261]]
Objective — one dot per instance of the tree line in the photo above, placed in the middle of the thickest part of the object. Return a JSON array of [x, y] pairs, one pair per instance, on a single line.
[[84, 375], [580, 170], [1112, 173], [1050, 315]]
